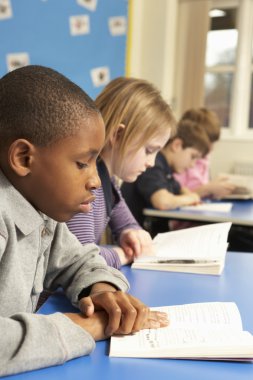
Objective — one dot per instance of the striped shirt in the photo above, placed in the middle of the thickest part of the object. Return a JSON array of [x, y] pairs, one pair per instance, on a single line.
[[89, 228]]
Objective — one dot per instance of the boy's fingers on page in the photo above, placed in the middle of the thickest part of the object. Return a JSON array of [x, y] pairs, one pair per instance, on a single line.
[[134, 314], [114, 316], [135, 317], [125, 312], [103, 300], [156, 319], [121, 312]]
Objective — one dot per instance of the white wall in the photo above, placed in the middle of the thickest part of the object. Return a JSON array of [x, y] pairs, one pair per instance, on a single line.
[[153, 43], [152, 58], [228, 153]]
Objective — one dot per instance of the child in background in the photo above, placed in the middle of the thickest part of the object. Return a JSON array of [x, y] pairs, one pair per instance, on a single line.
[[157, 187], [197, 178], [50, 136], [138, 123]]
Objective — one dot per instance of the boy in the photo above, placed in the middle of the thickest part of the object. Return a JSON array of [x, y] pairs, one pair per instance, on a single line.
[[50, 136], [157, 187]]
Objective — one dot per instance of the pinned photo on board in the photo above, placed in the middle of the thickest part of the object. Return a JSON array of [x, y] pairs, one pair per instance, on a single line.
[[16, 60], [5, 9], [117, 25], [79, 25], [100, 76], [91, 5]]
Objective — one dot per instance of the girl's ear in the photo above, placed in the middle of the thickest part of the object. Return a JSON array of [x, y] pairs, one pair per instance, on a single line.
[[20, 156], [117, 134]]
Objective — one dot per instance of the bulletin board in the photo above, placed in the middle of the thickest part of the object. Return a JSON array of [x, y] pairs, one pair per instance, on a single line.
[[82, 39]]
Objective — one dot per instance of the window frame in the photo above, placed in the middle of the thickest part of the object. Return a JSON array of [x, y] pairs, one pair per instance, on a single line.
[[243, 71]]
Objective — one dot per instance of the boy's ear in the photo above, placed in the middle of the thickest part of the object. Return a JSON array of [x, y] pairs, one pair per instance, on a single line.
[[177, 144], [20, 156], [117, 133]]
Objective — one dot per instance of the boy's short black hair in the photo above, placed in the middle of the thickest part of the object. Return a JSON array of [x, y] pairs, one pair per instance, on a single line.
[[39, 104], [192, 135], [207, 119]]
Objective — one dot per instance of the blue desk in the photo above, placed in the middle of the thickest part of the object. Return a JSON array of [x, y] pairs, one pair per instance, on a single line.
[[156, 289], [240, 214]]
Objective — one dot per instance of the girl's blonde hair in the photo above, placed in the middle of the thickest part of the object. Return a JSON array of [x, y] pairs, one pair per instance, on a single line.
[[138, 105]]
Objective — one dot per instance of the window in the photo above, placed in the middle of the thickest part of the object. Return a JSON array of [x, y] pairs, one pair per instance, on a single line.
[[228, 79], [220, 62]]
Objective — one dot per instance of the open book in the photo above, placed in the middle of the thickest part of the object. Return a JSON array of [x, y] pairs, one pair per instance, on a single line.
[[243, 183], [194, 250], [210, 207], [203, 331]]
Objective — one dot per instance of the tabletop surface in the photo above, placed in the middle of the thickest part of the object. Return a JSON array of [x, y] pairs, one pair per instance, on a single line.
[[156, 289], [241, 214]]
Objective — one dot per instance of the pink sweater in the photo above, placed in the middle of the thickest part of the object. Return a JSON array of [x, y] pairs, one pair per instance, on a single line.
[[196, 176]]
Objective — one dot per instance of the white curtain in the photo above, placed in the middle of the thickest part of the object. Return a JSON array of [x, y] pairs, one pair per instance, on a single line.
[[193, 25]]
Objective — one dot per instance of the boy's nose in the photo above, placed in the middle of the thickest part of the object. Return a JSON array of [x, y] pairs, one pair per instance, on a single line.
[[94, 181], [193, 162]]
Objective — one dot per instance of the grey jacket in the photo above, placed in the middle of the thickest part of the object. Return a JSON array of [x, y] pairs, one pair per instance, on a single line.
[[38, 253]]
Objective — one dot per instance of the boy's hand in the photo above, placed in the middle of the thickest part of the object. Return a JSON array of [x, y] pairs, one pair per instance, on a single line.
[[192, 199], [136, 242], [221, 187], [125, 313], [97, 322]]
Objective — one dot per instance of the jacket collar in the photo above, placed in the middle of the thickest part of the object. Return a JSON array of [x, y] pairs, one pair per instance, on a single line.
[[24, 215]]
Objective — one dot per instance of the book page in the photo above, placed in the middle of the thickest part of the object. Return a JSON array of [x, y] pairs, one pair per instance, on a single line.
[[207, 242], [206, 314], [193, 327], [213, 207], [243, 183], [179, 343]]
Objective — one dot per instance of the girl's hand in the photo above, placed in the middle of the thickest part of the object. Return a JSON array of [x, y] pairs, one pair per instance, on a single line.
[[136, 243]]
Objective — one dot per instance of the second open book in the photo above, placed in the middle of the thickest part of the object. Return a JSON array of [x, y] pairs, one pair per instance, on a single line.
[[194, 250], [243, 186], [211, 330]]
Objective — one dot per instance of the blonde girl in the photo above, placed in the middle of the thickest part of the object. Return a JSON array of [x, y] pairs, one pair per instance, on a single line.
[[138, 123]]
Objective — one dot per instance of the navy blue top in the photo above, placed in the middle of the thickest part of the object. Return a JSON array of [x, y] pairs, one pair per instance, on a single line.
[[138, 194]]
